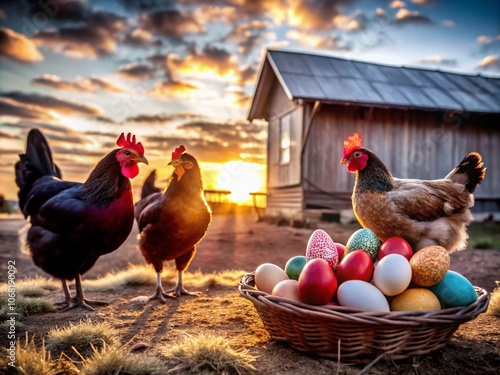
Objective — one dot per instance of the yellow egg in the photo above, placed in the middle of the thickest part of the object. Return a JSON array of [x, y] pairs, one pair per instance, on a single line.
[[415, 299], [267, 275], [429, 265]]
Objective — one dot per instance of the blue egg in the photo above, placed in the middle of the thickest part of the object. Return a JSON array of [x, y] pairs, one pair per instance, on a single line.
[[454, 290]]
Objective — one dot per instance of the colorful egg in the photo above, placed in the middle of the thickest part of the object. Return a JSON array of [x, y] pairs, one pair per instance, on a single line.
[[356, 265], [288, 289], [366, 240], [416, 299], [317, 282], [454, 290], [362, 295], [321, 245], [429, 265], [294, 266], [392, 274], [267, 275]]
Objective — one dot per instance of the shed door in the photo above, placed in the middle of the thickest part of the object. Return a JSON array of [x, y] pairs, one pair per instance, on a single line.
[[285, 140]]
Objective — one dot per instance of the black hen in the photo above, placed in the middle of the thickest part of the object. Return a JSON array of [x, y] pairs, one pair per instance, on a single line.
[[73, 224]]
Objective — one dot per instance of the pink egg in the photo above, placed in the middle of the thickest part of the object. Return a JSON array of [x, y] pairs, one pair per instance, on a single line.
[[321, 245]]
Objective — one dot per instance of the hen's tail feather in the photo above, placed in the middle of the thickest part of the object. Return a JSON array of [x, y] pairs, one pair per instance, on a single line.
[[469, 172], [34, 164], [149, 185]]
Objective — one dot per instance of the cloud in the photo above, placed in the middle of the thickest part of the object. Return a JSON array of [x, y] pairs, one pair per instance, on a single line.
[[136, 71], [314, 14], [102, 84], [315, 40], [397, 4], [83, 85], [249, 35], [152, 119], [162, 118], [489, 45], [405, 16], [173, 88], [65, 10], [18, 47], [50, 102], [9, 107], [491, 62], [448, 23], [141, 38], [95, 38], [170, 23], [212, 62], [438, 60]]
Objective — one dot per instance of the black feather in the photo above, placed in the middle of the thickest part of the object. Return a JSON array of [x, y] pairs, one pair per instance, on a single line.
[[149, 185], [34, 164], [472, 167]]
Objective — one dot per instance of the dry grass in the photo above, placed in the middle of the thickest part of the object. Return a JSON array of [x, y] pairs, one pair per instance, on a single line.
[[31, 360], [207, 354], [494, 307], [142, 274], [82, 338], [30, 297], [115, 359]]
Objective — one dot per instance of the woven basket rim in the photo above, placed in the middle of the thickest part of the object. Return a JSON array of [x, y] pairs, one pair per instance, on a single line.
[[400, 318]]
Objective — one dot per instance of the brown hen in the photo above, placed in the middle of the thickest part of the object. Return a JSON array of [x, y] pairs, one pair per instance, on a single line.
[[172, 223], [424, 212]]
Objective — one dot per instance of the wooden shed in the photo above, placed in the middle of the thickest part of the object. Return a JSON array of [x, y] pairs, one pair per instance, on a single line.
[[421, 123]]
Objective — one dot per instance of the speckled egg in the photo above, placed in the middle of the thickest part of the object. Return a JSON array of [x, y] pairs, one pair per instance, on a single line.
[[454, 290], [429, 265], [366, 240], [415, 299], [321, 245]]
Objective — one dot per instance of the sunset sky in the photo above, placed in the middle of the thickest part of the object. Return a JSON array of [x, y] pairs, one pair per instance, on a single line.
[[184, 72]]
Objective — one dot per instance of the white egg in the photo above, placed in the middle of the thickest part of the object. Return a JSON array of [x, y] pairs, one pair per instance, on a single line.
[[362, 295], [267, 275], [392, 274]]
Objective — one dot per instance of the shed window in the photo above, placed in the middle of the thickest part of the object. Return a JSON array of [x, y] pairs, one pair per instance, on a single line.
[[285, 141]]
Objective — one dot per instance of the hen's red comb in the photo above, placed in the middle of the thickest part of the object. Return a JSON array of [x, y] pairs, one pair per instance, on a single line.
[[352, 143], [178, 152], [129, 142]]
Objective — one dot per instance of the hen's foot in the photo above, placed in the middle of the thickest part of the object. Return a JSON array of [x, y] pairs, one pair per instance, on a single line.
[[179, 291], [160, 294], [85, 303]]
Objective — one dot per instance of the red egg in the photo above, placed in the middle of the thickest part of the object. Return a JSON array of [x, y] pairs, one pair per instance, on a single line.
[[356, 265], [340, 250], [395, 245], [317, 282]]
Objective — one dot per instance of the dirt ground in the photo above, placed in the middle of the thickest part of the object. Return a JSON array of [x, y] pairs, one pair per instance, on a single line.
[[238, 242]]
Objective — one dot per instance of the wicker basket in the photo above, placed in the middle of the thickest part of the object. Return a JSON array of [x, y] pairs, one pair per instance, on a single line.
[[340, 332]]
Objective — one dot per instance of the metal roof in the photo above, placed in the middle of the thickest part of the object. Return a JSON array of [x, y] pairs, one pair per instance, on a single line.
[[331, 79]]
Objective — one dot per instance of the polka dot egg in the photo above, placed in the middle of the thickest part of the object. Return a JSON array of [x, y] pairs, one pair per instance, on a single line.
[[366, 240]]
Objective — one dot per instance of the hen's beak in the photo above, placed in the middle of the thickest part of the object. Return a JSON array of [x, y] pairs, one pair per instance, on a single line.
[[142, 159], [344, 161], [175, 163]]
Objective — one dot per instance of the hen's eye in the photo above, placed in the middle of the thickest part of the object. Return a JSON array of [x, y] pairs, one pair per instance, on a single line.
[[357, 154], [127, 153]]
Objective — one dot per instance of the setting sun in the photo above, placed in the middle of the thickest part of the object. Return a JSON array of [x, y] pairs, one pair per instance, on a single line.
[[241, 178]]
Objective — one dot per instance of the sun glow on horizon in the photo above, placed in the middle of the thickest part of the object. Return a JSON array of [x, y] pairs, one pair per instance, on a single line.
[[241, 179]]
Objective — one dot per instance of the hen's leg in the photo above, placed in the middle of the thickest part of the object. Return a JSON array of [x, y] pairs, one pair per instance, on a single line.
[[80, 300], [67, 295], [179, 290], [181, 264], [160, 294]]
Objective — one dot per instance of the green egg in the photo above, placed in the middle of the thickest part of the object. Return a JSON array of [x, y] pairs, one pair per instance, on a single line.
[[366, 240]]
